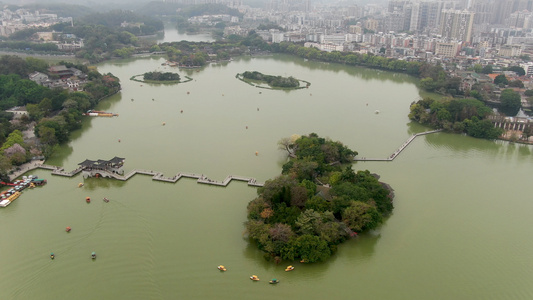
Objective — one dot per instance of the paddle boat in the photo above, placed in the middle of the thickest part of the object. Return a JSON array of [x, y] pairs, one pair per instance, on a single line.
[[289, 268], [273, 281], [221, 268], [80, 184], [106, 200], [68, 229], [88, 199], [93, 255], [52, 256], [254, 278]]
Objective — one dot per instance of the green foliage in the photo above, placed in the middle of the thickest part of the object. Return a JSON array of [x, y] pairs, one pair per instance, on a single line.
[[516, 83], [482, 129], [310, 248], [56, 112], [428, 84], [273, 81], [315, 156], [13, 138], [510, 102], [487, 69], [160, 76], [290, 220], [528, 93], [501, 79], [518, 70], [454, 114], [361, 216]]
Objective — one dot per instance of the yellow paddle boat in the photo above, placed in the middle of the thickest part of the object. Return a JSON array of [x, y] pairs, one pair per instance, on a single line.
[[254, 278], [289, 268], [221, 268]]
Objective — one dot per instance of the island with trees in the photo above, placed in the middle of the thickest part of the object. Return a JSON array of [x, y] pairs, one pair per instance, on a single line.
[[257, 79], [317, 202], [160, 77]]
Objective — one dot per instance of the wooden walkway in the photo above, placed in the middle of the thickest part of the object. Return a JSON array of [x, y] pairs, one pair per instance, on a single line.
[[402, 147], [200, 178]]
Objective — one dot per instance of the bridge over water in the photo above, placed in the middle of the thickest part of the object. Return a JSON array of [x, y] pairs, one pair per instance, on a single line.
[[200, 178], [399, 150], [156, 175]]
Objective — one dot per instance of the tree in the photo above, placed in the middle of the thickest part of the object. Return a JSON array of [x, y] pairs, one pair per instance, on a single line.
[[281, 232], [518, 70], [16, 154], [510, 102], [516, 83], [501, 79], [487, 69], [13, 138], [311, 248], [528, 93], [428, 84], [361, 216]]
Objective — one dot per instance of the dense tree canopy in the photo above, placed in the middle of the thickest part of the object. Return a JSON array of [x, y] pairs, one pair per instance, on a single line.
[[56, 112], [458, 115], [273, 81], [510, 102], [295, 218], [161, 76], [518, 70], [501, 79]]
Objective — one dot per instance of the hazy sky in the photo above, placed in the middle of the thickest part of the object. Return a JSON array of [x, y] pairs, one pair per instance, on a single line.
[[137, 2]]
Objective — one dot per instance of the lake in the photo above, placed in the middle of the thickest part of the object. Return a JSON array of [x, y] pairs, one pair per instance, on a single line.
[[461, 227]]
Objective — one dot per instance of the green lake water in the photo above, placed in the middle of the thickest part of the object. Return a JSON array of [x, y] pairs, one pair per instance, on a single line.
[[461, 227]]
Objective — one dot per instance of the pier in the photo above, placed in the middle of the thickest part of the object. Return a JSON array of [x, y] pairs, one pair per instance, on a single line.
[[399, 150]]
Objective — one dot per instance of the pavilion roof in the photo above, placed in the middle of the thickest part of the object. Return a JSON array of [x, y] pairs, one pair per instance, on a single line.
[[116, 160], [87, 163]]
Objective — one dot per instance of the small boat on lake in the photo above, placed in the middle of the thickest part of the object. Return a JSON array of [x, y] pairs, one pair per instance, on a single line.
[[52, 256], [221, 268], [273, 281], [68, 229], [106, 200], [289, 268], [254, 278], [93, 255]]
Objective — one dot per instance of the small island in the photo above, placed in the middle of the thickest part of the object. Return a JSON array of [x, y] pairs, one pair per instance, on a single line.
[[317, 202], [160, 77], [258, 79]]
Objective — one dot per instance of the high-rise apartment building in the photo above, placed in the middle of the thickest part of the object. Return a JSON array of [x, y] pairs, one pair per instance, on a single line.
[[456, 24], [424, 14]]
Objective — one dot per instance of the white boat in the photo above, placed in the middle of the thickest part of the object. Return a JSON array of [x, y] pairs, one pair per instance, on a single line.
[[4, 203]]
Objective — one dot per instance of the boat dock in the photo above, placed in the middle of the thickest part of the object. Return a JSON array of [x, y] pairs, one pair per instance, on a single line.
[[399, 150]]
